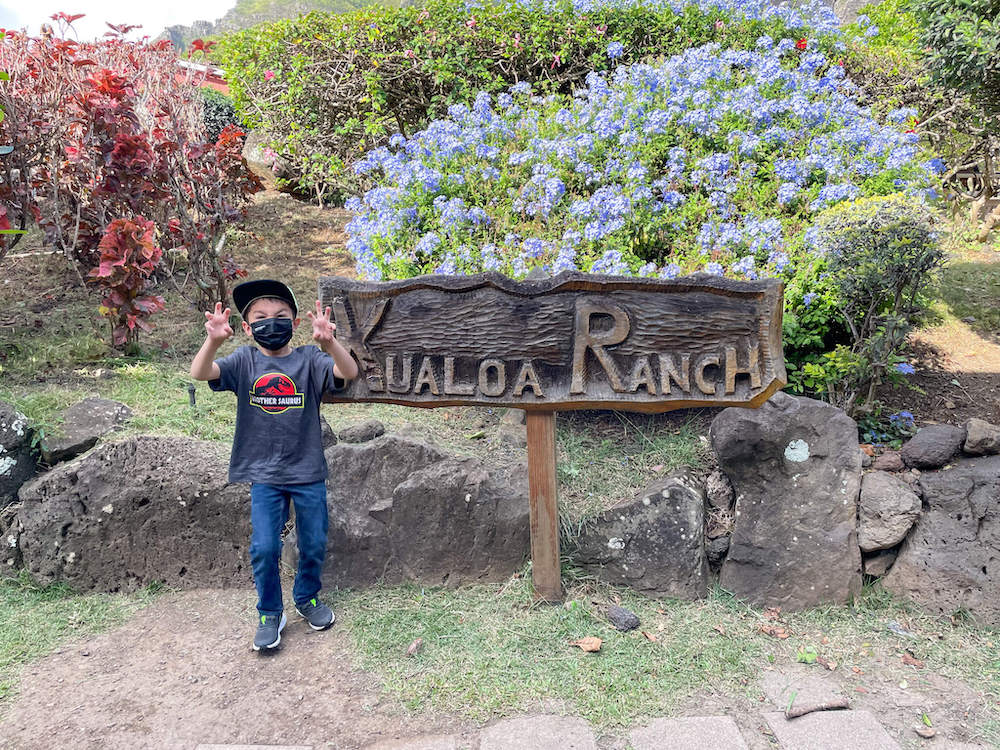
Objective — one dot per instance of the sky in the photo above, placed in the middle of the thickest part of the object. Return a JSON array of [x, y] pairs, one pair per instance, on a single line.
[[154, 16]]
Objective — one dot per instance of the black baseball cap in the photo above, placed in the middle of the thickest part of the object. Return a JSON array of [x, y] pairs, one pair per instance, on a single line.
[[248, 291]]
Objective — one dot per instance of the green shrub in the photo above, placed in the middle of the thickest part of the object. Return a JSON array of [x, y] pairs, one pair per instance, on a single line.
[[217, 112], [962, 41], [881, 254], [327, 87]]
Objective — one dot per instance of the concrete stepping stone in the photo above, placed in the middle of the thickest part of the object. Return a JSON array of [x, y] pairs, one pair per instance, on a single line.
[[799, 687], [689, 733], [830, 730], [543, 732], [425, 742]]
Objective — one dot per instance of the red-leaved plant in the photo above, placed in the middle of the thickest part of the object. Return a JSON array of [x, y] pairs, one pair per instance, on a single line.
[[109, 137], [127, 261]]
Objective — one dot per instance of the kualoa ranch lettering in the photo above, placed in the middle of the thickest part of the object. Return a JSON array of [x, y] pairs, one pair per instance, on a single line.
[[573, 341]]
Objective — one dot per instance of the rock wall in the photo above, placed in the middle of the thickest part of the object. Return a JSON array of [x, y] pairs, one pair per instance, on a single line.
[[788, 518]]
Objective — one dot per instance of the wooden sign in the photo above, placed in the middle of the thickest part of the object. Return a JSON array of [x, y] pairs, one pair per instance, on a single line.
[[575, 341]]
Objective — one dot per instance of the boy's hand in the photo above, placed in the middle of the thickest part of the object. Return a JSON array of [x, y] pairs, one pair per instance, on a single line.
[[217, 324], [323, 329]]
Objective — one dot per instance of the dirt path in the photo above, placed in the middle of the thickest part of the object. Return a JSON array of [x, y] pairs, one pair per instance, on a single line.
[[181, 673]]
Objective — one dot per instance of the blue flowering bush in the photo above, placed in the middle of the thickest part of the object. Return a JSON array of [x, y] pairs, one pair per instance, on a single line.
[[714, 160], [326, 86]]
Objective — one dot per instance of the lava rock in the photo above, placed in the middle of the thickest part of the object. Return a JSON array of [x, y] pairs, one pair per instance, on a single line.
[[796, 470], [889, 461], [951, 558], [982, 438], [623, 619], [83, 424], [654, 543], [362, 433], [888, 509], [933, 446]]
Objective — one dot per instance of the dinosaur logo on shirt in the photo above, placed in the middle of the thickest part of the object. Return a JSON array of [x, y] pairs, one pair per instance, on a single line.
[[274, 392]]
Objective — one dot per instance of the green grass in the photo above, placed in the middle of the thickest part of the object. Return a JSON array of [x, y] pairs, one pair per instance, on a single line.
[[37, 619], [490, 650], [607, 459]]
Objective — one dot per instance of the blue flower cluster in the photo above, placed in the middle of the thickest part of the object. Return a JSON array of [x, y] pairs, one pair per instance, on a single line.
[[714, 160]]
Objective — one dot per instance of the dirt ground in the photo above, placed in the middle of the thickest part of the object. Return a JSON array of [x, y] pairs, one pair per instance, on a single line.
[[181, 673]]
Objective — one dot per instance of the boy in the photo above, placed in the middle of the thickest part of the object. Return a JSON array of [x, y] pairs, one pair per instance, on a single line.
[[278, 446]]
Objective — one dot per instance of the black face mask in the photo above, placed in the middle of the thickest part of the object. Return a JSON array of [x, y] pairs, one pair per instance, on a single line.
[[272, 333]]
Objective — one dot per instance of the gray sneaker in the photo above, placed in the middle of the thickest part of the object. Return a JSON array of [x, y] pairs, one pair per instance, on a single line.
[[318, 615], [269, 631]]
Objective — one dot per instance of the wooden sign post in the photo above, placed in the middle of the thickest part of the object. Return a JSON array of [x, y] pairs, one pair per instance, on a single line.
[[574, 341]]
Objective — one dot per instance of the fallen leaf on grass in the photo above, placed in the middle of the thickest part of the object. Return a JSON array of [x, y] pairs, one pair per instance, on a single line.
[[856, 670], [719, 629], [925, 732], [658, 468], [590, 643], [860, 690], [912, 661], [649, 636], [774, 630], [415, 648], [772, 613], [828, 663]]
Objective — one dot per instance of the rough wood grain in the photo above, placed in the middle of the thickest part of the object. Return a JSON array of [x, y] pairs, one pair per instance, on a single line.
[[544, 511], [570, 342]]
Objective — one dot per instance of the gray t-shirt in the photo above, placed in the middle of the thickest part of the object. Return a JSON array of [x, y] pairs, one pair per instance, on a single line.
[[278, 438]]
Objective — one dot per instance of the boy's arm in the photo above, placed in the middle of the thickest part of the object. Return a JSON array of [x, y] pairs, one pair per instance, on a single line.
[[217, 330], [344, 366]]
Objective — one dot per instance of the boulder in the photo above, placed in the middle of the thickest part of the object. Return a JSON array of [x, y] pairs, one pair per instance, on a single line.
[[363, 478], [716, 549], [796, 470], [951, 558], [889, 461], [981, 438], [622, 619], [888, 509], [329, 437], [130, 513], [83, 424], [455, 522], [17, 460], [362, 433], [878, 563], [933, 446], [654, 543]]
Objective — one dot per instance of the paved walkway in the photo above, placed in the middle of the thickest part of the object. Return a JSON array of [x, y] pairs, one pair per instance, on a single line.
[[825, 730]]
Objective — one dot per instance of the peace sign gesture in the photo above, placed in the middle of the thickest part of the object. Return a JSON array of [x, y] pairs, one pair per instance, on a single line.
[[217, 324], [324, 329]]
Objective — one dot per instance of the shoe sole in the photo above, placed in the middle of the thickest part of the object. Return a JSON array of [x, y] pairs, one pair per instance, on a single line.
[[281, 626], [333, 619]]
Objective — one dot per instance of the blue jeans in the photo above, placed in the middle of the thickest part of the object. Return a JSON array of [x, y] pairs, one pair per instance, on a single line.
[[269, 505]]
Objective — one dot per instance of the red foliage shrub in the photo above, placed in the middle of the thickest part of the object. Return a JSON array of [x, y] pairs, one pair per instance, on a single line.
[[128, 259], [109, 137]]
